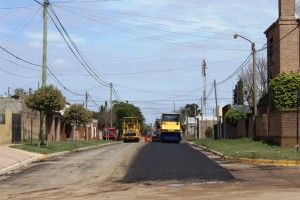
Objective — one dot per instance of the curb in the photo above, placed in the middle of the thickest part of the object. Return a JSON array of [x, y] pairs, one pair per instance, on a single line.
[[42, 157], [249, 160]]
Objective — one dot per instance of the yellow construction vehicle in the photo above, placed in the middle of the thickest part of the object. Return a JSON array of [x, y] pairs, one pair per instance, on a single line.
[[131, 129], [170, 128]]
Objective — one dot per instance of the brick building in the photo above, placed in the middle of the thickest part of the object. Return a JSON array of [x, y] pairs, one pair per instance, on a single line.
[[283, 48], [283, 41]]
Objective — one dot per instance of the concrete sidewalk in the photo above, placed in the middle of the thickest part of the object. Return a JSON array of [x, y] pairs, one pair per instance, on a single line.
[[12, 159]]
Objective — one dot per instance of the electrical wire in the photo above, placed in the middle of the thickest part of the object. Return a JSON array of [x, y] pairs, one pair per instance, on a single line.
[[93, 100], [34, 65], [158, 38], [25, 23], [236, 71], [76, 51]]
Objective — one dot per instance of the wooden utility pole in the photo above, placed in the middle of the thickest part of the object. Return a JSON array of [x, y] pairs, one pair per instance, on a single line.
[[204, 87], [111, 87], [86, 107], [217, 109], [44, 65]]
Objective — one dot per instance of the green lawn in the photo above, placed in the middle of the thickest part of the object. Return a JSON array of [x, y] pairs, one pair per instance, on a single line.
[[248, 148], [54, 147]]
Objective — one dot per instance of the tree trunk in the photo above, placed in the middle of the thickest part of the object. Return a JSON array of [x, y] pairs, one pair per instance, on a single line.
[[42, 129]]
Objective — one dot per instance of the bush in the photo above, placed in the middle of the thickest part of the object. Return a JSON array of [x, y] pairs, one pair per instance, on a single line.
[[233, 116], [209, 132], [282, 89]]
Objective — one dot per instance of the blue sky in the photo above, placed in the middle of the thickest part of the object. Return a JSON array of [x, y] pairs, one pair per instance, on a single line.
[[151, 51]]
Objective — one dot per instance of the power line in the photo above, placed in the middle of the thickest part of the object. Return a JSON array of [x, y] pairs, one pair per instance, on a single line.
[[35, 65], [158, 38], [93, 100], [82, 60], [236, 71]]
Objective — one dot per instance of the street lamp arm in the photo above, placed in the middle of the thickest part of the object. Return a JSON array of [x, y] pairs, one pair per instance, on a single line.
[[237, 35]]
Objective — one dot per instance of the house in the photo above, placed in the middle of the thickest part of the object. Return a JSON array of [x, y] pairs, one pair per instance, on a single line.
[[17, 122]]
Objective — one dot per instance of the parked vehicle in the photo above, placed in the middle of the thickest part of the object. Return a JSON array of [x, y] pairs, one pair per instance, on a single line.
[[110, 133], [154, 136], [131, 129]]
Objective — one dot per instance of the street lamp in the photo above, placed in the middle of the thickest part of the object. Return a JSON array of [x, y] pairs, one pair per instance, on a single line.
[[254, 70], [297, 105]]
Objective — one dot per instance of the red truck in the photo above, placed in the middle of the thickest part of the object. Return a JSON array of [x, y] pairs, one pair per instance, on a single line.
[[109, 133]]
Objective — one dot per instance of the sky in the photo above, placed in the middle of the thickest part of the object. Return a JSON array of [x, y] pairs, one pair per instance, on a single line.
[[151, 52]]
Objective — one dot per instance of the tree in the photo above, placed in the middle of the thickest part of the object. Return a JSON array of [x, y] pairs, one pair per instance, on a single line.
[[124, 109], [77, 115], [238, 94], [261, 80], [45, 100], [19, 91], [282, 89], [189, 110], [234, 115]]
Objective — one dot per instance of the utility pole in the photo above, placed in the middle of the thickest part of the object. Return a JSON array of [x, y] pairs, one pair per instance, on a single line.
[[44, 65], [201, 128], [195, 124], [111, 104], [217, 110], [86, 126], [174, 106], [254, 78], [43, 133], [204, 87]]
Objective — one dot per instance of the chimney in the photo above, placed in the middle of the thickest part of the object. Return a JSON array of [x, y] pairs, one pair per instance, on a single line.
[[287, 9]]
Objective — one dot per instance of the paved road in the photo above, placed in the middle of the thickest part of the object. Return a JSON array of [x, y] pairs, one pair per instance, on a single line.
[[176, 172], [169, 161]]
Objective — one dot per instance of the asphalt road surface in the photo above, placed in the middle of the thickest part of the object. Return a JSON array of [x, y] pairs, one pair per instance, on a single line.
[[149, 171], [169, 161]]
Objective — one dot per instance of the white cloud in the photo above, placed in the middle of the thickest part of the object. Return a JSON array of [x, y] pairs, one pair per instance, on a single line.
[[61, 64], [35, 45]]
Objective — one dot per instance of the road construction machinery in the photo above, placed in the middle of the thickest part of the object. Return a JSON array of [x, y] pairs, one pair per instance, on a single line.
[[170, 128], [131, 129]]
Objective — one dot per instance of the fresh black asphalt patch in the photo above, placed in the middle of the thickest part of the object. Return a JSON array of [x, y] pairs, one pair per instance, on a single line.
[[169, 161]]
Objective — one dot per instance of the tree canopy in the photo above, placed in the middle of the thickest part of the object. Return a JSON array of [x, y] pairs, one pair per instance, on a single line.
[[124, 109], [282, 89], [46, 99], [77, 115]]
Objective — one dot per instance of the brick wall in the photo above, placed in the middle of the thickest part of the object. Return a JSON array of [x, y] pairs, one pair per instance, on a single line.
[[262, 125]]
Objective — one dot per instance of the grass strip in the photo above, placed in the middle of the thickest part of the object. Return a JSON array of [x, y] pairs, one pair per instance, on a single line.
[[59, 146], [249, 148]]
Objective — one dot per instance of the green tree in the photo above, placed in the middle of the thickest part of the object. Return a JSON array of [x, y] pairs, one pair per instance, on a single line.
[[19, 91], [238, 95], [190, 110], [124, 109], [234, 115], [45, 100], [282, 89], [77, 115]]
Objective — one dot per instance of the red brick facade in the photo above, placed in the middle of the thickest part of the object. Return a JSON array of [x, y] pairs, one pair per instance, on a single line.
[[283, 41]]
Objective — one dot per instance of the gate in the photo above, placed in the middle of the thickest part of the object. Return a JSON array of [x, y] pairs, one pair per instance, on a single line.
[[16, 127]]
